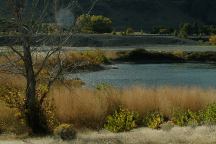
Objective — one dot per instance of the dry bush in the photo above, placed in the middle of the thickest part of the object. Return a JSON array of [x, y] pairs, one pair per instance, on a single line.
[[88, 107]]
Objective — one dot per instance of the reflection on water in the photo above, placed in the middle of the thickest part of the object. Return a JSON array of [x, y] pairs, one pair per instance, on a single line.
[[201, 75]]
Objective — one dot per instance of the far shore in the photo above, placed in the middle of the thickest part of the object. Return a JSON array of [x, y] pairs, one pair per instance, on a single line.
[[102, 40]]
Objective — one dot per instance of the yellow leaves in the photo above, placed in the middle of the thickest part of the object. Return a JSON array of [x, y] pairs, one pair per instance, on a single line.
[[212, 39], [101, 19], [13, 97], [42, 89], [153, 120], [18, 115], [122, 120]]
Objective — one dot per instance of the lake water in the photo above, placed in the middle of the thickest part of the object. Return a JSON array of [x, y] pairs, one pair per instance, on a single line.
[[198, 75]]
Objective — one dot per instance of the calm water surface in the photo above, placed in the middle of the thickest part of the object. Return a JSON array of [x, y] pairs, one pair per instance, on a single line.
[[199, 75]]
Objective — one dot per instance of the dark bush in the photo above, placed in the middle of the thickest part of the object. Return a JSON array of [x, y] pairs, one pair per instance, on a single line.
[[141, 55], [65, 132]]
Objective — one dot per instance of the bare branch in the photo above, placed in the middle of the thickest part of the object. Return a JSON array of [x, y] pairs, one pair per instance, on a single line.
[[43, 14], [16, 51], [49, 54], [54, 76], [92, 6]]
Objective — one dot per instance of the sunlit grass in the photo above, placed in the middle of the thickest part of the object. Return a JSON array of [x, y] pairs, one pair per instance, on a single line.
[[89, 107]]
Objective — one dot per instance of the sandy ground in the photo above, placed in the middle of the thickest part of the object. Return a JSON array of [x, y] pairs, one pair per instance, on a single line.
[[177, 135]]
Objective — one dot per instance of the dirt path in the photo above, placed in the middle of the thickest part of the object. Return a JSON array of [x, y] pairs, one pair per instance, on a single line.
[[187, 135]]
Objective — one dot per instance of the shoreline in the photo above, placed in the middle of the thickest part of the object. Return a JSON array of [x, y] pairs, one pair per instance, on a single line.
[[101, 40]]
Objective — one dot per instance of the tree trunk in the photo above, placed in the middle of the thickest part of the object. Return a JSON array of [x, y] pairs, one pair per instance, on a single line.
[[34, 115]]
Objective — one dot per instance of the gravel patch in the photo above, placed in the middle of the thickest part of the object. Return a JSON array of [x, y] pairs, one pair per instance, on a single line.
[[177, 135]]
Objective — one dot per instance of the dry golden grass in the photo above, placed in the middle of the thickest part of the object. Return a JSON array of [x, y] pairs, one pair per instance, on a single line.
[[111, 54], [13, 80], [88, 107], [7, 117], [10, 120], [83, 107]]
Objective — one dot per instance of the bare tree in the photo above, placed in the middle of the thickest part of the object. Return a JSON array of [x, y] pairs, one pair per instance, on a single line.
[[26, 18]]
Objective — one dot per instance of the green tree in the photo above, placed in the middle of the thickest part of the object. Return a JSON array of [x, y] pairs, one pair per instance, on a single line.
[[101, 24], [186, 28], [27, 20], [94, 24], [84, 24]]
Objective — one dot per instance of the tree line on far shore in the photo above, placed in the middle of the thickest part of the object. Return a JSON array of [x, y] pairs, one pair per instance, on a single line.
[[100, 24], [186, 29]]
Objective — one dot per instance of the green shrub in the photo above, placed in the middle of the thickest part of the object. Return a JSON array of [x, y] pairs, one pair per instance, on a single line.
[[103, 86], [83, 23], [185, 30], [65, 132], [95, 57], [208, 114], [14, 99], [153, 120], [185, 118], [122, 120], [179, 54], [189, 118], [48, 28]]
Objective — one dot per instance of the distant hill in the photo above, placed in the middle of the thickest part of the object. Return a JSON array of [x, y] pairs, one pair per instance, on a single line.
[[144, 14]]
